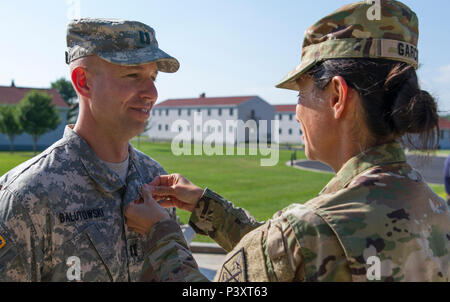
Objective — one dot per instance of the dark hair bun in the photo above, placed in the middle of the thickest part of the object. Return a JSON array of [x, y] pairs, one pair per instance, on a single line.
[[415, 115]]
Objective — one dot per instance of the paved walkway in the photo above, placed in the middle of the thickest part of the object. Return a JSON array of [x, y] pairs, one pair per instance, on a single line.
[[209, 256], [209, 264], [431, 168]]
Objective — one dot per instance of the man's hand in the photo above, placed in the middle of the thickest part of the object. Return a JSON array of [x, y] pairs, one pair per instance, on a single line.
[[141, 216], [176, 191]]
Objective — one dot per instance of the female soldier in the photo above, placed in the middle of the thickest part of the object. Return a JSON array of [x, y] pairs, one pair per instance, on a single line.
[[376, 219]]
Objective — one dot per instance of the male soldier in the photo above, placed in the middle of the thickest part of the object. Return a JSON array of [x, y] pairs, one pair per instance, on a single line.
[[61, 213]]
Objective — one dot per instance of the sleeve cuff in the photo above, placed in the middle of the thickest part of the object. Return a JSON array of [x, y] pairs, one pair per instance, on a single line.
[[199, 218]]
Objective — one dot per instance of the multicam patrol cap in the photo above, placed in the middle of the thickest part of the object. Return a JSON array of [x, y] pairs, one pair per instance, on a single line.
[[355, 31], [117, 41]]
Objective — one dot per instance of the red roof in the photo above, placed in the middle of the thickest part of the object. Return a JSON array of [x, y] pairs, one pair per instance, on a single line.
[[205, 101], [444, 124], [13, 95], [285, 108]]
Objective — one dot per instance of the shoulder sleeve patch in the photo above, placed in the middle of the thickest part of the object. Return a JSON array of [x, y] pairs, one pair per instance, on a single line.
[[234, 269]]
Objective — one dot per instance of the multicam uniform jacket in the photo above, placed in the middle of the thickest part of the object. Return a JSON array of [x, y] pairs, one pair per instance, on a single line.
[[375, 220], [64, 203]]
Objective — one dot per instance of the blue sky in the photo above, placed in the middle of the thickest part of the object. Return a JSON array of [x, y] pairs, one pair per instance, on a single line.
[[226, 48]]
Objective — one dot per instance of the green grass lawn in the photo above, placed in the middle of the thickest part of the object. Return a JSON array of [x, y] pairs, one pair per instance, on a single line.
[[9, 161], [241, 179]]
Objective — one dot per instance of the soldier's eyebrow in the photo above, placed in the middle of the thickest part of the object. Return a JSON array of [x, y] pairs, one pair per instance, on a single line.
[[131, 68]]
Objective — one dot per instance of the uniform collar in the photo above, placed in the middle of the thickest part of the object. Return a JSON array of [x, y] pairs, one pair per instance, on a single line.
[[97, 170], [377, 156]]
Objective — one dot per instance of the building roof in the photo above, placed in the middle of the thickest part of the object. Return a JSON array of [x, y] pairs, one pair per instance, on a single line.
[[205, 102], [444, 124], [13, 95], [285, 108]]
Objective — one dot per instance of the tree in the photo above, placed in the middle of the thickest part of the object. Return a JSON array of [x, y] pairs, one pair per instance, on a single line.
[[9, 123], [37, 115], [65, 89]]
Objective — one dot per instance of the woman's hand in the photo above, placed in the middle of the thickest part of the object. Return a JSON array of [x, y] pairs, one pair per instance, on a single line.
[[176, 191], [142, 215]]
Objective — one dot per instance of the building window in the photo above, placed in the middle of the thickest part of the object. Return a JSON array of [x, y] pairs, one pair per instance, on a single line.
[[231, 111], [290, 131], [167, 127], [179, 112], [442, 134], [220, 111], [301, 132], [281, 131], [180, 129], [290, 117], [199, 110], [209, 112], [231, 129], [167, 112], [280, 117], [189, 112], [160, 112], [159, 127]]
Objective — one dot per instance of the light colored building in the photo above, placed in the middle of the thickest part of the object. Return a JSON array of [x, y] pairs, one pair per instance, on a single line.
[[290, 130], [222, 117], [11, 95], [444, 126]]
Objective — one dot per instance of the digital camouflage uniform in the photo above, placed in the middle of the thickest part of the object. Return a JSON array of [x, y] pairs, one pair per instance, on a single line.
[[377, 205], [376, 214], [66, 202]]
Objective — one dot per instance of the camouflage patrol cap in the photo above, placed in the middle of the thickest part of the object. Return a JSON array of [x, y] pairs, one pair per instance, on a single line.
[[360, 30], [117, 41]]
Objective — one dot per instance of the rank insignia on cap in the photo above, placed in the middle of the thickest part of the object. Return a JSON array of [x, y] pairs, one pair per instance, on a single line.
[[234, 269], [2, 242]]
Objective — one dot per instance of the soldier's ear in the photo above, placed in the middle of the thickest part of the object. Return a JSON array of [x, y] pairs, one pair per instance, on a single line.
[[80, 82], [339, 96]]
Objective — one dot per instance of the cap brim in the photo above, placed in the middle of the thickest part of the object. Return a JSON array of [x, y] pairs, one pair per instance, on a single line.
[[165, 62], [290, 80]]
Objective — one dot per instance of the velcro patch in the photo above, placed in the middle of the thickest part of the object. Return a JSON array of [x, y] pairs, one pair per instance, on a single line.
[[2, 242], [234, 269]]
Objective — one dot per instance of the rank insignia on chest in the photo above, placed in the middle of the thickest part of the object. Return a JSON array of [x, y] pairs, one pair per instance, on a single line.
[[2, 242], [234, 269]]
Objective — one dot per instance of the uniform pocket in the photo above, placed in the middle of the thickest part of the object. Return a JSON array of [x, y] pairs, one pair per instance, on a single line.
[[90, 252]]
